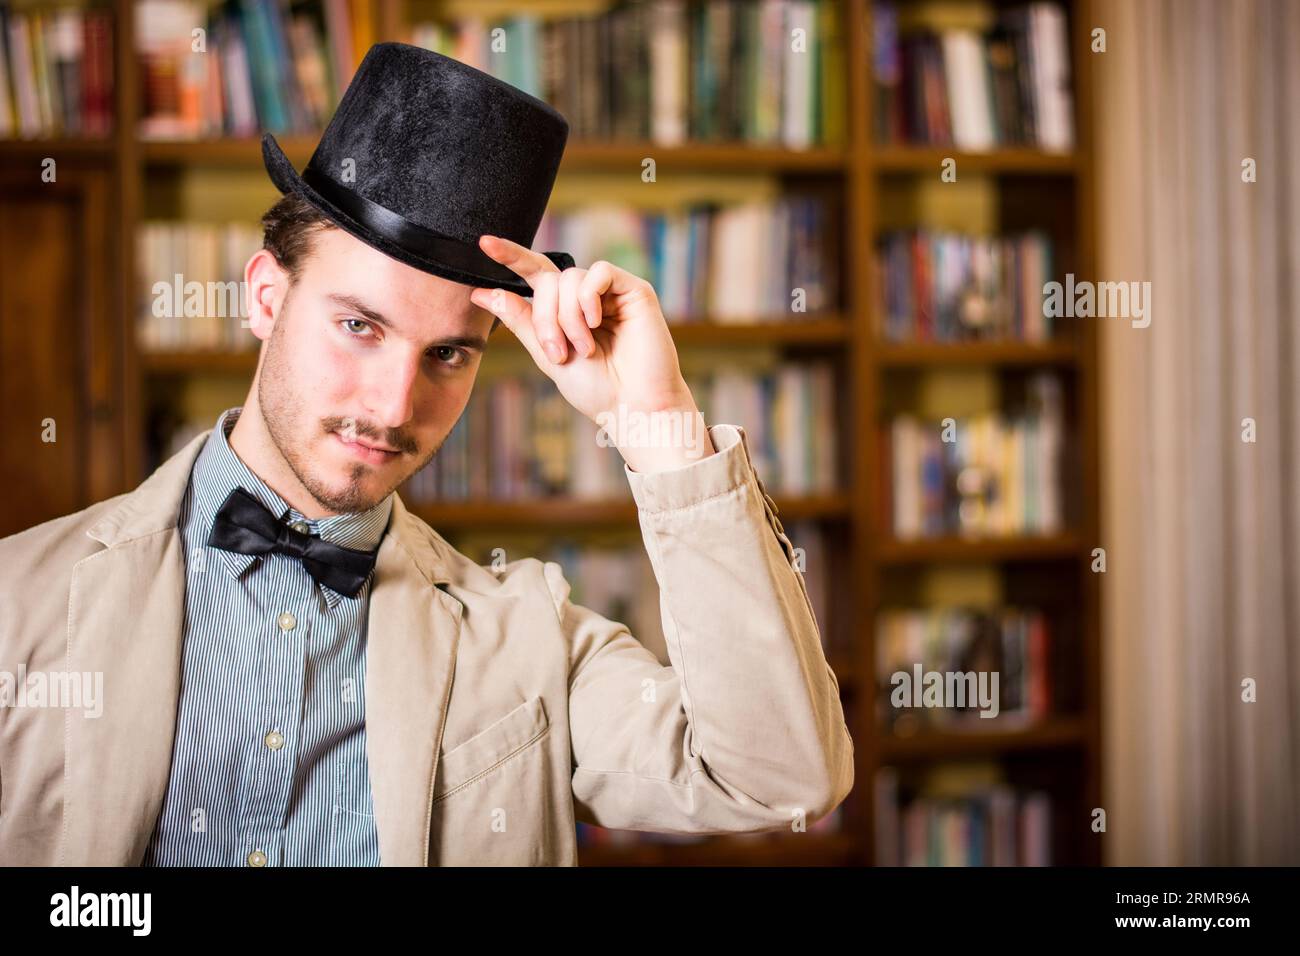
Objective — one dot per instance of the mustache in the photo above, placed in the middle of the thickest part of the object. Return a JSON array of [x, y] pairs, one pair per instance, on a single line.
[[379, 436]]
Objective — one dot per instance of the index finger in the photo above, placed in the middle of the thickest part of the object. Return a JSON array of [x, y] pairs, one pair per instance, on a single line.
[[525, 263]]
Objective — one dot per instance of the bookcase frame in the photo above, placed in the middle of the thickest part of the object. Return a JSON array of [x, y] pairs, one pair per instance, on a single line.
[[858, 169]]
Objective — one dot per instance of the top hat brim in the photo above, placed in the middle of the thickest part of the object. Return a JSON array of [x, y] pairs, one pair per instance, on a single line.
[[391, 234]]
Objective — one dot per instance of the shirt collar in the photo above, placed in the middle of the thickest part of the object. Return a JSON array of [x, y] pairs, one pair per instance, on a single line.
[[218, 471]]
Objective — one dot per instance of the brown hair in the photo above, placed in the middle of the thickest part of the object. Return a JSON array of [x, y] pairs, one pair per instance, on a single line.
[[288, 228]]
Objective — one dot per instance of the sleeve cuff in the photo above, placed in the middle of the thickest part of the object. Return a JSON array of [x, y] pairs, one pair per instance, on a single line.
[[726, 469]]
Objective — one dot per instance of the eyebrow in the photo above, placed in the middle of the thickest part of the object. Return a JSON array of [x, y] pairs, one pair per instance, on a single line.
[[475, 342]]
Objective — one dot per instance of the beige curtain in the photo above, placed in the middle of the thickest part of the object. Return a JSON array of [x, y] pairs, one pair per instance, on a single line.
[[1201, 529]]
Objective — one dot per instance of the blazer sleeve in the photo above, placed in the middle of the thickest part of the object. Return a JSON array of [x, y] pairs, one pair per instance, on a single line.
[[744, 731]]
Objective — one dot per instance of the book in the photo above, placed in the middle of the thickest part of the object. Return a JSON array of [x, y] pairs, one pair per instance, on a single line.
[[728, 263], [192, 295], [1014, 643], [937, 286], [277, 65], [56, 76], [536, 447], [972, 824], [1007, 86], [669, 72], [1000, 474]]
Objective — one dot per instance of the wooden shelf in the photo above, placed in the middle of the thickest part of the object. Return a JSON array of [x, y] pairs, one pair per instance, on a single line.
[[958, 550], [946, 744], [922, 354], [193, 362], [786, 849], [224, 152], [829, 329], [723, 157], [928, 159], [560, 513], [578, 156], [813, 331], [17, 150]]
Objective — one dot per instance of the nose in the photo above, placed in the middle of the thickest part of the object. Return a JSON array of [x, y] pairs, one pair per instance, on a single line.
[[391, 396]]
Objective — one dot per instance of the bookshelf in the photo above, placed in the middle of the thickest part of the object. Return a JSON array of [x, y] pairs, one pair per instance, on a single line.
[[865, 178]]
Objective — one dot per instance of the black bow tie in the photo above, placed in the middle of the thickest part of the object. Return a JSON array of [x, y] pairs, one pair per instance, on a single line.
[[245, 526]]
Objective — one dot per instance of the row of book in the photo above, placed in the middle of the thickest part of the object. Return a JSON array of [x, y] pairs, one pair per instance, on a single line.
[[947, 287], [989, 825], [518, 439], [192, 285], [670, 71], [1009, 86], [56, 72], [240, 67], [757, 261], [990, 474], [938, 647], [747, 263]]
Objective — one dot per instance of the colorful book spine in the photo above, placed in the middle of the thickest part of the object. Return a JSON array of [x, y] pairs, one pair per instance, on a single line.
[[995, 824], [666, 71], [265, 65], [985, 475], [56, 75], [948, 287], [536, 447], [1013, 643], [1009, 86], [742, 263]]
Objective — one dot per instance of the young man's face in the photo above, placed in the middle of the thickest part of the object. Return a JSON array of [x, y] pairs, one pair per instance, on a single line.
[[366, 351]]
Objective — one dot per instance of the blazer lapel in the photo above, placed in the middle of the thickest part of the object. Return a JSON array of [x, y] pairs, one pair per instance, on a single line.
[[125, 611], [412, 635]]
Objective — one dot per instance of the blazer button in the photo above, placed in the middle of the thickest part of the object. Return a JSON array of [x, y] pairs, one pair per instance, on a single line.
[[767, 499]]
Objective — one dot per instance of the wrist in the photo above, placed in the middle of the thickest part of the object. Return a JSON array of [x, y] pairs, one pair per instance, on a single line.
[[660, 440]]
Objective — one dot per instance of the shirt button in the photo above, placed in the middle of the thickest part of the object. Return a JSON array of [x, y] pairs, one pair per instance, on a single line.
[[274, 740], [287, 621], [257, 858], [301, 527]]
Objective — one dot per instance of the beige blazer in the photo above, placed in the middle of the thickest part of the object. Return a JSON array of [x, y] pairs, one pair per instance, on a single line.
[[497, 711]]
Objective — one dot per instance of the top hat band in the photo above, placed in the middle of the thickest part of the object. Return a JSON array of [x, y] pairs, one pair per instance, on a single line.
[[413, 237]]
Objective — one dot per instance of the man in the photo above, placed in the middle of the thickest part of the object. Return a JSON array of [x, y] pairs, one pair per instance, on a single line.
[[296, 670]]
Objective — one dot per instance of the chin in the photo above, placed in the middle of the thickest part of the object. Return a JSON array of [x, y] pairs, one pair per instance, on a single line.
[[351, 497]]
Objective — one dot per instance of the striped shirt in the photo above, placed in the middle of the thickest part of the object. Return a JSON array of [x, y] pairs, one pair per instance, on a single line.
[[269, 757]]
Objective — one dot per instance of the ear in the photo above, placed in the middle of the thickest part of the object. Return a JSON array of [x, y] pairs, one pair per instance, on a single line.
[[267, 283]]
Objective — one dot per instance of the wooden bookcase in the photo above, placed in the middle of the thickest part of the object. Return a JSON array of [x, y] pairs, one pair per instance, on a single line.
[[862, 175]]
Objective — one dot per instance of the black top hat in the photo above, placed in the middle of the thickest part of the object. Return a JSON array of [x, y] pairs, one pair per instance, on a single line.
[[425, 154]]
